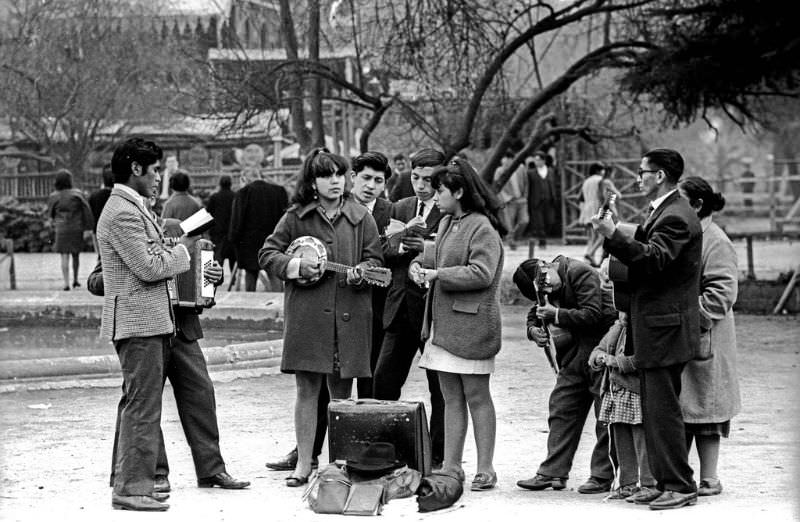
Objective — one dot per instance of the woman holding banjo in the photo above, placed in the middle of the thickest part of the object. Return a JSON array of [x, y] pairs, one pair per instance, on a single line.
[[328, 317]]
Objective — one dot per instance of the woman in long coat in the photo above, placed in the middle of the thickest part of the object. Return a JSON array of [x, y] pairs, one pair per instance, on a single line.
[[72, 218], [327, 325], [710, 387], [462, 313]]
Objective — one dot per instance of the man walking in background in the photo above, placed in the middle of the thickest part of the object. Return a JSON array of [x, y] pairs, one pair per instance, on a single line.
[[257, 208], [220, 206]]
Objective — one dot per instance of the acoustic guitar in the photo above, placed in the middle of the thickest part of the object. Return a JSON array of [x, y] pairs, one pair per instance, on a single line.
[[617, 270], [309, 247], [559, 339]]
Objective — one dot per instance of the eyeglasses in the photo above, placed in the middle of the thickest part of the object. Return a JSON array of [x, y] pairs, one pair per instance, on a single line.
[[646, 171]]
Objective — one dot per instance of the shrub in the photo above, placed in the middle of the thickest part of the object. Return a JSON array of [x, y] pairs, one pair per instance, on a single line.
[[26, 224]]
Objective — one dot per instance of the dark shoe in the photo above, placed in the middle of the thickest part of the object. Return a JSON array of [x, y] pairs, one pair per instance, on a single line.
[[709, 487], [623, 492], [595, 485], [673, 500], [222, 480], [137, 503], [483, 481], [293, 481], [645, 495], [66, 288], [161, 484], [161, 497], [540, 482], [289, 461], [75, 284]]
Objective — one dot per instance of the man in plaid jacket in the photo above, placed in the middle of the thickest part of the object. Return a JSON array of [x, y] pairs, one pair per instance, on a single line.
[[137, 315]]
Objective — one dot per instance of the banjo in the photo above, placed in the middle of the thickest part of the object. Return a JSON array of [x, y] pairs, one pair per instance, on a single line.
[[309, 247]]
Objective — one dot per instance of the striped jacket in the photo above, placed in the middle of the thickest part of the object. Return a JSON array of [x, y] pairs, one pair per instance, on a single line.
[[136, 302]]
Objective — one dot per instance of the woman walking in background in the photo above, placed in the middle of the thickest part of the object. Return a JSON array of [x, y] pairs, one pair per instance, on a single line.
[[710, 387], [328, 324], [462, 313], [73, 222]]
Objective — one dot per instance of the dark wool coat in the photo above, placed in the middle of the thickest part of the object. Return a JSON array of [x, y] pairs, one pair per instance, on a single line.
[[257, 207], [317, 318], [663, 260], [464, 300]]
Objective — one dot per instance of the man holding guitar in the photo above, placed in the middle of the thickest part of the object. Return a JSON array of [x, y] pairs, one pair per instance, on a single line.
[[663, 259], [569, 301]]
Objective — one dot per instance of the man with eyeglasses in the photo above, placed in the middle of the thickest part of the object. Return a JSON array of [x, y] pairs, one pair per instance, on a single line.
[[663, 260]]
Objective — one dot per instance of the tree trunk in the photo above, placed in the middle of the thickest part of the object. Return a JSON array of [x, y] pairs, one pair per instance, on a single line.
[[297, 113], [317, 127]]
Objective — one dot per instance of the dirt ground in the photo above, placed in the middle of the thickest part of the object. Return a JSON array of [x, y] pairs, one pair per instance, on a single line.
[[56, 446]]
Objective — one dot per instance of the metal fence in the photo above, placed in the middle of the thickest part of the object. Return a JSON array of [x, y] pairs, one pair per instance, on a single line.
[[36, 187]]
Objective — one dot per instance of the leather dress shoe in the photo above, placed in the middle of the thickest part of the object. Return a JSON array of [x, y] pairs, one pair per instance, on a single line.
[[288, 462], [222, 480], [645, 495], [137, 503], [540, 482], [161, 484], [595, 485], [709, 487], [673, 500]]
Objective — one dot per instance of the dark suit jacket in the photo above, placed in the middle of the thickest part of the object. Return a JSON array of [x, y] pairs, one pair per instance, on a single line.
[[401, 188], [97, 200], [584, 308], [220, 205], [257, 208], [663, 260], [402, 287]]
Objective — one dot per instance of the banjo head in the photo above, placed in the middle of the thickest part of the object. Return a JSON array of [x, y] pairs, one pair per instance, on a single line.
[[308, 247]]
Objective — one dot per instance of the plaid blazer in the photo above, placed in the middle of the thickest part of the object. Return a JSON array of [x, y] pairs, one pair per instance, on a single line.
[[136, 302]]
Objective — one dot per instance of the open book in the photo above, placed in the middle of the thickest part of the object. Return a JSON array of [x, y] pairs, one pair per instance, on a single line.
[[197, 223]]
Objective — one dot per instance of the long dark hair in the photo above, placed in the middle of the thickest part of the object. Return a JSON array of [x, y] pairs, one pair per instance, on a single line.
[[320, 163], [696, 188], [459, 174]]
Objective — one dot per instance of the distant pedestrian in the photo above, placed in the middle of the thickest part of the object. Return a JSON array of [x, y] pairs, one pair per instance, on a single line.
[[98, 198], [73, 222], [747, 185], [220, 206], [514, 194], [399, 186], [710, 387], [542, 198], [180, 204], [257, 208]]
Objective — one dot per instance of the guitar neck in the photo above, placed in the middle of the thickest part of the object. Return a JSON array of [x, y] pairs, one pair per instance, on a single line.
[[337, 267]]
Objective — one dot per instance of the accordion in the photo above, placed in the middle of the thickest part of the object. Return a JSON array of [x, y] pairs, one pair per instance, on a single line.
[[192, 289]]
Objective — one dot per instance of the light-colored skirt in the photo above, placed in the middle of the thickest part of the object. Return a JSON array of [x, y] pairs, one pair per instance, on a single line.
[[438, 359], [620, 405]]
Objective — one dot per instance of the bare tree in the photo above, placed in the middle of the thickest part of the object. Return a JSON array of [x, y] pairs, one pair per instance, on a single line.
[[72, 69]]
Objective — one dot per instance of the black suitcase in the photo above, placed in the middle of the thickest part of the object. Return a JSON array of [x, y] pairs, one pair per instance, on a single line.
[[353, 423]]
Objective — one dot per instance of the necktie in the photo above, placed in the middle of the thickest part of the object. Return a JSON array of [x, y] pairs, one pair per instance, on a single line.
[[650, 209], [421, 208]]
